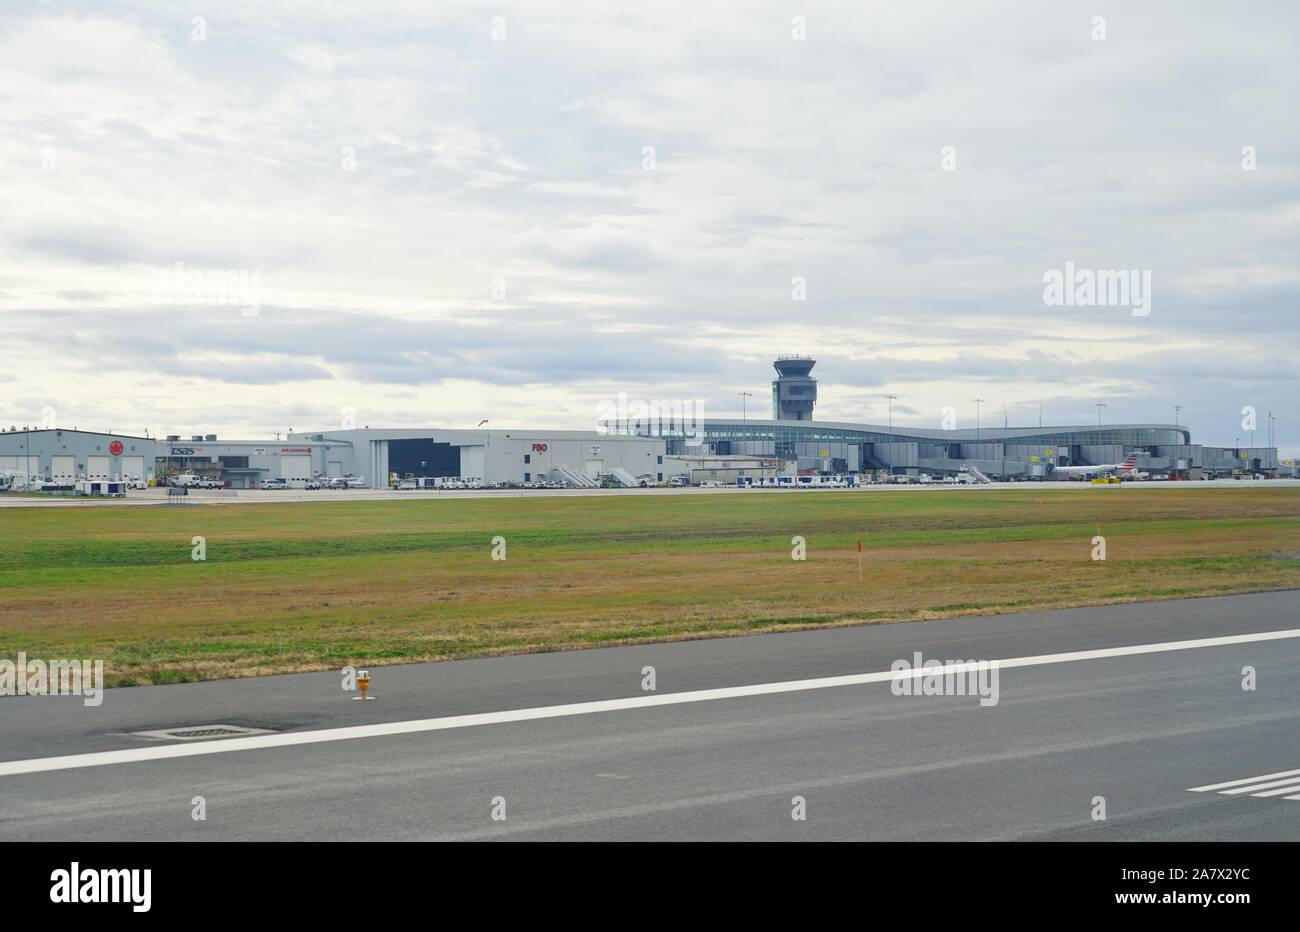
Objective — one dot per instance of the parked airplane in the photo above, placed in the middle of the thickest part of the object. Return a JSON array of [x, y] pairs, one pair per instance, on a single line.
[[1125, 470]]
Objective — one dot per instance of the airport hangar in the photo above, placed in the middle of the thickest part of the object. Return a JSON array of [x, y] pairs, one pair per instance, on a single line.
[[657, 450], [62, 456]]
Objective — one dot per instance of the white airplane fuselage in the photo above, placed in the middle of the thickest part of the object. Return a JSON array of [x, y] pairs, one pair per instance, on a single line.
[[1125, 470]]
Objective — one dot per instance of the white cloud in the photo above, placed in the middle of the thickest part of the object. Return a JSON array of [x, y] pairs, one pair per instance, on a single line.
[[521, 162]]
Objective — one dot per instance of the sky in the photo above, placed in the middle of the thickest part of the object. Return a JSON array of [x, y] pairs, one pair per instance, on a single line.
[[518, 211]]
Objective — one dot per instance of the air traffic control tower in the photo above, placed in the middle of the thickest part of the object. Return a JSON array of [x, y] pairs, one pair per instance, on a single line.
[[795, 392]]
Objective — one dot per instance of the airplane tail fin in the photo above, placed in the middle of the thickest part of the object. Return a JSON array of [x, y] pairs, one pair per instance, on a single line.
[[1131, 463]]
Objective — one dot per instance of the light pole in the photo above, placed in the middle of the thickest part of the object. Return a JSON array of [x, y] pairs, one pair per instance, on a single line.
[[1177, 408], [978, 402], [744, 419], [1269, 441], [1099, 406], [892, 399]]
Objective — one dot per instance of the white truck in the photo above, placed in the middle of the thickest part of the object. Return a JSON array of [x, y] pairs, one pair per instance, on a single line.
[[190, 481]]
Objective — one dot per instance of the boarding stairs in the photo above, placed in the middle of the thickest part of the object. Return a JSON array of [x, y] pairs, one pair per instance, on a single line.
[[573, 479]]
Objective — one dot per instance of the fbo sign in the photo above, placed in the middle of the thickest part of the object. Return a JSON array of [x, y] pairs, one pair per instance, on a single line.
[[539, 448]]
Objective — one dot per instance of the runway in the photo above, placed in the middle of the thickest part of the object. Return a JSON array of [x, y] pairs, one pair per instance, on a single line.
[[1140, 712]]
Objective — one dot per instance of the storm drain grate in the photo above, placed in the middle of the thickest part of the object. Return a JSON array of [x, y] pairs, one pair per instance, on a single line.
[[201, 732]]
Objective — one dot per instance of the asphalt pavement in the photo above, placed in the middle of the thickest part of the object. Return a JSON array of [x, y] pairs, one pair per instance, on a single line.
[[738, 736]]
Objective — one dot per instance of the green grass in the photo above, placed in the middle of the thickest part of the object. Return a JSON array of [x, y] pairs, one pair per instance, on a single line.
[[326, 584]]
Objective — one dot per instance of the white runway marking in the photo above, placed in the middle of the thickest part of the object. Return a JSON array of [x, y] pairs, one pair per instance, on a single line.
[[1268, 784], [348, 733]]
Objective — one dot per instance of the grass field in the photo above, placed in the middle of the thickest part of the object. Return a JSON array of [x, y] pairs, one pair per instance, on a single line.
[[322, 585]]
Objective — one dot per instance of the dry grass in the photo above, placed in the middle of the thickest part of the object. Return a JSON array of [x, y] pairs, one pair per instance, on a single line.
[[314, 586]]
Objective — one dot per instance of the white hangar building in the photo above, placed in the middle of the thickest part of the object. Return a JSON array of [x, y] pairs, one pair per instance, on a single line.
[[574, 457]]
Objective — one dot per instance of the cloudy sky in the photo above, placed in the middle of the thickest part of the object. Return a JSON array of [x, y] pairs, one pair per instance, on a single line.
[[515, 211]]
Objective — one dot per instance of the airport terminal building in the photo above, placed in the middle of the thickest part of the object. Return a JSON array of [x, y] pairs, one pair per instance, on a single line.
[[627, 451], [999, 452], [837, 447]]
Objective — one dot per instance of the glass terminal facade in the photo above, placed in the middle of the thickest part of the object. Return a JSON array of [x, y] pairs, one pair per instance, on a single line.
[[784, 437]]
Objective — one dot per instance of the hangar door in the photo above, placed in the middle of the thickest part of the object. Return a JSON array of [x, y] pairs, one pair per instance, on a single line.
[[423, 458], [133, 467], [21, 465], [63, 469], [295, 467], [97, 467]]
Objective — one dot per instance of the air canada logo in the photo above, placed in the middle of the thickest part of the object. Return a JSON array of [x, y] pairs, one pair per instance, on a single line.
[[116, 448]]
